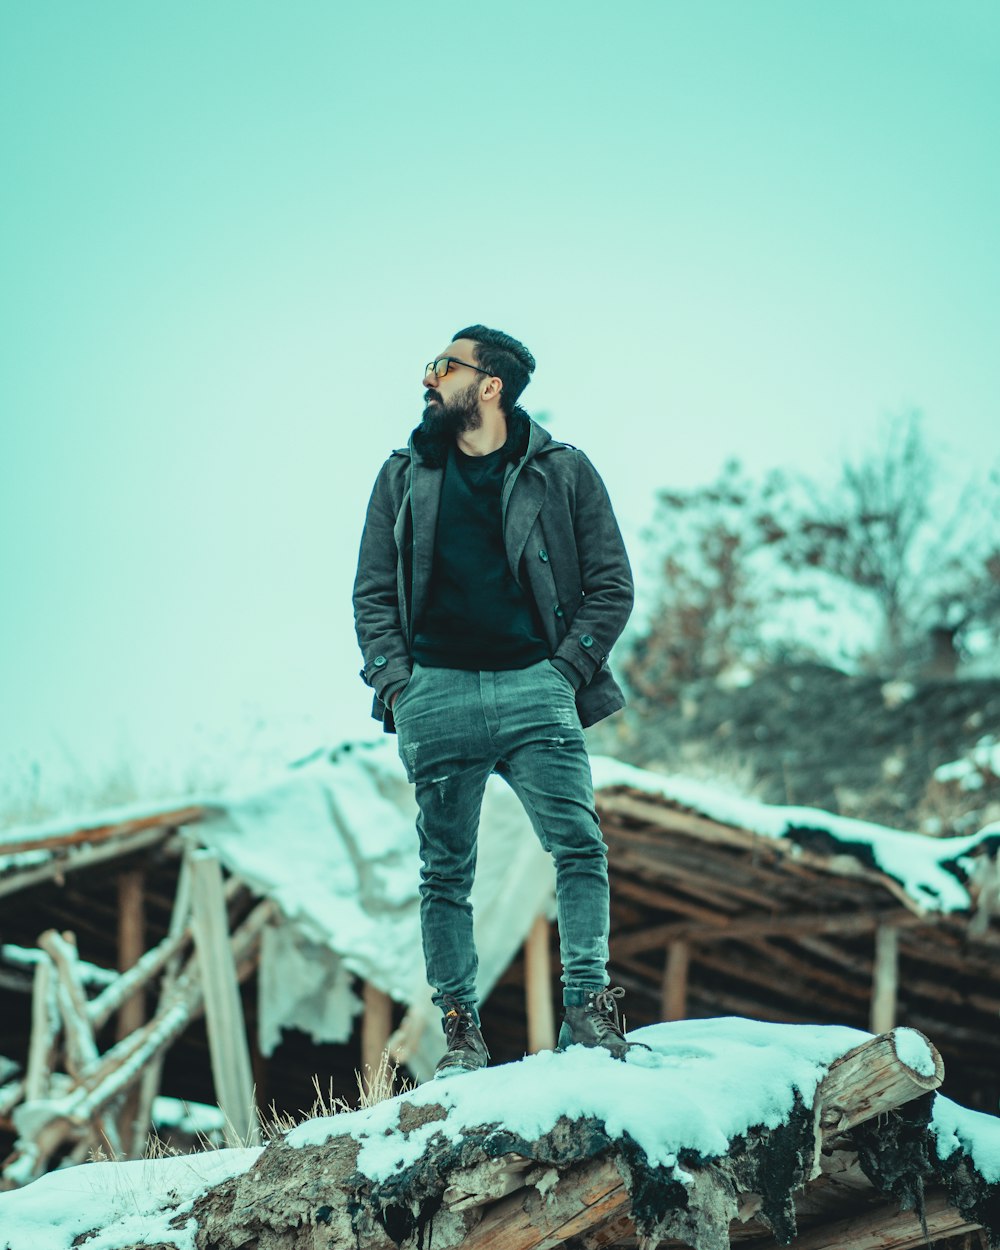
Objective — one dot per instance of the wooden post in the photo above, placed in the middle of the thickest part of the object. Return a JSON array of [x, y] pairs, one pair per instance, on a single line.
[[885, 979], [149, 1087], [44, 1031], [227, 1036], [132, 1013], [131, 944], [376, 1025], [673, 995], [538, 988]]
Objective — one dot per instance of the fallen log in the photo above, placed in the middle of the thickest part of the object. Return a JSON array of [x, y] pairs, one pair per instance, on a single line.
[[486, 1186]]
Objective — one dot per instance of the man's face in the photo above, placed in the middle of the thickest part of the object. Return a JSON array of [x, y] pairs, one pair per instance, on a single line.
[[451, 403]]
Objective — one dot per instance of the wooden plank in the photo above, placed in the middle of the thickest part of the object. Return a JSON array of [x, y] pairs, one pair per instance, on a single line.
[[180, 916], [227, 1038], [583, 1196], [885, 979], [44, 1032], [675, 981], [721, 929], [81, 1048], [376, 1025], [538, 988], [886, 1228], [60, 866], [162, 821]]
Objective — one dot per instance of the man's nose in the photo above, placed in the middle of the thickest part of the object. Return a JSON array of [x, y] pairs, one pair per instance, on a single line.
[[430, 379]]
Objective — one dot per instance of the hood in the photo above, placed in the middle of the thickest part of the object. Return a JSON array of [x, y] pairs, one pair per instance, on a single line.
[[525, 438]]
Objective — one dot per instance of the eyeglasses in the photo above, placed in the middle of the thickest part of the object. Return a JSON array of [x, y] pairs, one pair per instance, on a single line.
[[443, 364]]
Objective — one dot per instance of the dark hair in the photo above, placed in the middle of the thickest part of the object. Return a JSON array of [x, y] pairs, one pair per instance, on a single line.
[[505, 358]]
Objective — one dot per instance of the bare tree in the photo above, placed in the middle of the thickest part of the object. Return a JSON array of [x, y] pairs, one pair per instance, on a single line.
[[933, 580]]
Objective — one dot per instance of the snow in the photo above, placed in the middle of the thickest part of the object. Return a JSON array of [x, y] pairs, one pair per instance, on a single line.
[[913, 1049], [972, 770], [127, 1203], [973, 1132], [138, 809], [187, 1117], [920, 864], [702, 1084], [705, 1082], [26, 957]]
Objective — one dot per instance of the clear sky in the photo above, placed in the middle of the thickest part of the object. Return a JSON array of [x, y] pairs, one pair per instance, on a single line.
[[233, 233]]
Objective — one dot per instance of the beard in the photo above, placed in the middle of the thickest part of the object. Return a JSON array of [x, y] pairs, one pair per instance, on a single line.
[[444, 420]]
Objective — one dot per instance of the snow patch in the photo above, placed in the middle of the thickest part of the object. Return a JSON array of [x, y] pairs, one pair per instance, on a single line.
[[119, 1203], [913, 1049], [974, 1132]]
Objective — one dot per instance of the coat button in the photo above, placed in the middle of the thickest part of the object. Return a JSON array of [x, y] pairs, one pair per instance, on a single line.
[[586, 641], [558, 610], [379, 661], [543, 555]]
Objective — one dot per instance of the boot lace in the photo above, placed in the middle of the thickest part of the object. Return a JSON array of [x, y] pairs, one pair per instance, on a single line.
[[458, 1023], [607, 1010]]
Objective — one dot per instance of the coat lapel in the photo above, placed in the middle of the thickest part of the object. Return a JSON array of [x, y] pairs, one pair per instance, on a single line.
[[526, 498], [425, 499]]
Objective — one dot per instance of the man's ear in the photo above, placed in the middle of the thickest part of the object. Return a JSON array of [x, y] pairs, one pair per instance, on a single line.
[[491, 389]]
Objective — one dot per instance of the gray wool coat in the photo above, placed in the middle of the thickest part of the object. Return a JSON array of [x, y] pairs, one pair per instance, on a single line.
[[563, 545]]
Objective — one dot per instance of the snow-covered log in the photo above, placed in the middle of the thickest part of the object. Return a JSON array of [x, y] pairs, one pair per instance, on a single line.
[[436, 1173], [723, 1131]]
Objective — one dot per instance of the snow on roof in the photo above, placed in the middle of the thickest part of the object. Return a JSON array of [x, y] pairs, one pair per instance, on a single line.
[[930, 870]]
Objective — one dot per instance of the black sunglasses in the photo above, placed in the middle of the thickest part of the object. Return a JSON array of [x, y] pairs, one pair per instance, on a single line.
[[441, 366]]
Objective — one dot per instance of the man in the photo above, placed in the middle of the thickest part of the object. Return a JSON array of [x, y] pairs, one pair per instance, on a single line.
[[492, 583]]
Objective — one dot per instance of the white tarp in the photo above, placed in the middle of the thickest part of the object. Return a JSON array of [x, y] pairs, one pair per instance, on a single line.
[[335, 844]]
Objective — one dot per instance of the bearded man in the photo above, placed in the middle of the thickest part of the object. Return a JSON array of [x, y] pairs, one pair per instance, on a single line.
[[492, 583]]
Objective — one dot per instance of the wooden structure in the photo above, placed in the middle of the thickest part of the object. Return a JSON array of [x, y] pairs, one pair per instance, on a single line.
[[711, 919], [185, 940], [132, 987]]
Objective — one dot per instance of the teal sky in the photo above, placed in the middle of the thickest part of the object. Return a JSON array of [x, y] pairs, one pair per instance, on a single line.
[[233, 233]]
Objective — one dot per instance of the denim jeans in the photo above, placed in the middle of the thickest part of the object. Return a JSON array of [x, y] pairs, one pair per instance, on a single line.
[[454, 727]]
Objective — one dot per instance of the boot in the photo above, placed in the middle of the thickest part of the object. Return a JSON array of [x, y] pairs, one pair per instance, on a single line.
[[466, 1049], [596, 1023]]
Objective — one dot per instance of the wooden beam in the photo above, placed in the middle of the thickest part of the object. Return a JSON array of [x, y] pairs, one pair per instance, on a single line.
[[163, 822], [886, 1228], [60, 866], [227, 1037], [582, 1196], [180, 917], [81, 1048], [538, 988], [376, 1025], [44, 1032], [760, 927], [674, 990], [131, 944], [885, 979]]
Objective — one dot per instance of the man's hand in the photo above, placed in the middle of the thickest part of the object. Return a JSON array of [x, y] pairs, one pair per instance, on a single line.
[[392, 701]]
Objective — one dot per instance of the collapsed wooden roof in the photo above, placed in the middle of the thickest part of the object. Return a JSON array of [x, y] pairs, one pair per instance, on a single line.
[[712, 918]]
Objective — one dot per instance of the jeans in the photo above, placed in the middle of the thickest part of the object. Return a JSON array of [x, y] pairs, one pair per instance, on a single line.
[[454, 727]]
